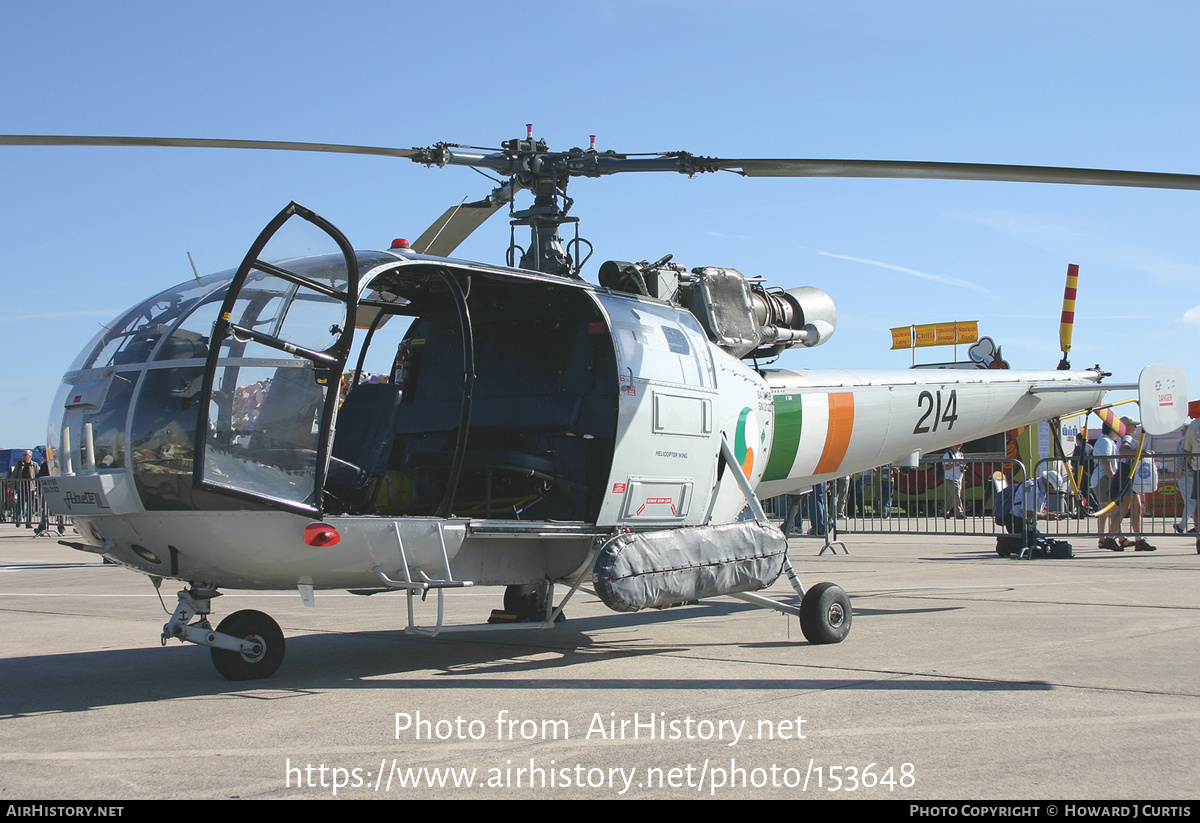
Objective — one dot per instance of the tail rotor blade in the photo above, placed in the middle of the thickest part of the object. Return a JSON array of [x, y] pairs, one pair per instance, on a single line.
[[1067, 324], [1110, 417], [458, 222]]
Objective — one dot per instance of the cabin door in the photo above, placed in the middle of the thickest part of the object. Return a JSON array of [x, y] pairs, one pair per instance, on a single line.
[[275, 364]]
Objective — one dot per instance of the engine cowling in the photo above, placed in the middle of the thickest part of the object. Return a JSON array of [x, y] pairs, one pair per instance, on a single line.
[[744, 318]]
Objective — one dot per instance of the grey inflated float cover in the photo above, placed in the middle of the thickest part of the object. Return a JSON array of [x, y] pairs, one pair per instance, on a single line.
[[640, 570]]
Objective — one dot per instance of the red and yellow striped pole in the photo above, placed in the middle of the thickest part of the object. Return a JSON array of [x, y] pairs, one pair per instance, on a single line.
[[1067, 324], [1107, 415]]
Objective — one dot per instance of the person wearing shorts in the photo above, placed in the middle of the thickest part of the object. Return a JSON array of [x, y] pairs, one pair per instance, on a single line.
[[1102, 474]]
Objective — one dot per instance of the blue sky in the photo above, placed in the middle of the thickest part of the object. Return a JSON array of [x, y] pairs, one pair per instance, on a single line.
[[87, 232]]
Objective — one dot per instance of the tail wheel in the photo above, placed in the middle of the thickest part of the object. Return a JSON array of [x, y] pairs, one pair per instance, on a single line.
[[263, 659], [825, 614]]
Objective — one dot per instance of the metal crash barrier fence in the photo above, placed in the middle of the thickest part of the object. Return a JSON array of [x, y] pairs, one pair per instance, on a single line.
[[918, 500], [924, 500], [25, 507], [1157, 495], [928, 499], [921, 500], [932, 498]]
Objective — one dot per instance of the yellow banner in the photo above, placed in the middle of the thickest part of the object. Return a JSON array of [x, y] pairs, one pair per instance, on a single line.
[[902, 338], [925, 335], [968, 331], [935, 334]]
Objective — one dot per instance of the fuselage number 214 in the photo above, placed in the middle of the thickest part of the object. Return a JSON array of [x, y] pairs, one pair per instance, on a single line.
[[932, 403]]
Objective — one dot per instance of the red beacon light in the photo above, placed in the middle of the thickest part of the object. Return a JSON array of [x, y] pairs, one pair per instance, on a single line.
[[321, 534], [400, 244]]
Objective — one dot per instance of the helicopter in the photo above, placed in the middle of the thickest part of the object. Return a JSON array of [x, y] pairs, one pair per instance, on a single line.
[[529, 429]]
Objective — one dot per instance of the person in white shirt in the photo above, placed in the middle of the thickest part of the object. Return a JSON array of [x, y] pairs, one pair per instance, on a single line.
[[1026, 504], [1031, 502], [954, 468], [1102, 473]]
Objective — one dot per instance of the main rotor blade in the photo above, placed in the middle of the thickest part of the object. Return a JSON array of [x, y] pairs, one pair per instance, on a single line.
[[954, 171], [458, 222], [751, 167], [194, 142]]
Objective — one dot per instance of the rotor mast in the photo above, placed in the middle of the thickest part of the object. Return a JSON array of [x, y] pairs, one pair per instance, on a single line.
[[545, 178], [528, 164]]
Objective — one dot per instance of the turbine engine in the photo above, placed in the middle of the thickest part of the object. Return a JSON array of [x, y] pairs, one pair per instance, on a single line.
[[737, 313], [746, 320]]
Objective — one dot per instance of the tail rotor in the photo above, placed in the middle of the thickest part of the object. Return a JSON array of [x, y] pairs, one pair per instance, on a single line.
[[1067, 324]]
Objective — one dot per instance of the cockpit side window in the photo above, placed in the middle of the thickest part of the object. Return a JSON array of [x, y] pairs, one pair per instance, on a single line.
[[190, 338], [133, 337]]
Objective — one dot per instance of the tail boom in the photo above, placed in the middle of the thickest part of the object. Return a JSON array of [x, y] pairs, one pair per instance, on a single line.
[[833, 423]]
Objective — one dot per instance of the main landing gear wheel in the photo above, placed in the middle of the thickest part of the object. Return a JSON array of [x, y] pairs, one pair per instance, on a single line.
[[527, 602], [825, 614], [261, 661]]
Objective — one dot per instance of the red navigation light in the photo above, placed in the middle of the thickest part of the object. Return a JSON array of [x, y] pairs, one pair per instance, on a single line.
[[401, 243], [321, 535]]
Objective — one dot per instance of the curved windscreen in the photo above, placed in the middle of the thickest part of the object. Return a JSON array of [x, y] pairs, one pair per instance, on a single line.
[[133, 337]]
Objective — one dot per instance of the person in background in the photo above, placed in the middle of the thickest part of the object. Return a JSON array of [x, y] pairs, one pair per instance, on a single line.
[[790, 513], [1189, 476], [885, 491], [857, 506], [1102, 474], [817, 509], [954, 468], [841, 496], [1030, 503], [25, 473], [1079, 460], [1129, 502]]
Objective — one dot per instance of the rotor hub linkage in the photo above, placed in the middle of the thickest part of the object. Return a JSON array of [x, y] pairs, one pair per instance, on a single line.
[[529, 164], [529, 157]]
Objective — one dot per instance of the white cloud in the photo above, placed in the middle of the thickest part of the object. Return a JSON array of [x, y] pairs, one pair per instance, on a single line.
[[1084, 241], [1055, 315], [1192, 316], [937, 278]]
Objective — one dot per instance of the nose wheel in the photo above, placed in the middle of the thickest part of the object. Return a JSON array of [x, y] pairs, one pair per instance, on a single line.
[[262, 651]]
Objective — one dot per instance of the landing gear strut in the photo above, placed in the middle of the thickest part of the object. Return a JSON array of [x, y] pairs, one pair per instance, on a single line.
[[824, 612], [248, 645]]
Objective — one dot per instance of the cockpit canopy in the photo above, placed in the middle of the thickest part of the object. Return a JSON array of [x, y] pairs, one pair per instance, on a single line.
[[544, 390]]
